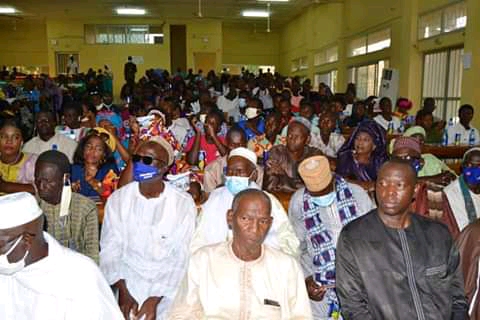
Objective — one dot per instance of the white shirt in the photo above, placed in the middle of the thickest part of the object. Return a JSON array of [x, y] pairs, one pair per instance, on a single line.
[[146, 242], [331, 219], [213, 227], [221, 286], [458, 128], [64, 285], [62, 143], [397, 124], [335, 142], [457, 203], [179, 128], [229, 106]]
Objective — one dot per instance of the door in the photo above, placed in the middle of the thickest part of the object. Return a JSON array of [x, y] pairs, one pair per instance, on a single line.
[[61, 61], [205, 61]]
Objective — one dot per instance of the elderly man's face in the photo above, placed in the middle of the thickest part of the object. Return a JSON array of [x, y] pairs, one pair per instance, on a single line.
[[239, 167], [297, 137], [49, 182], [395, 188], [250, 221]]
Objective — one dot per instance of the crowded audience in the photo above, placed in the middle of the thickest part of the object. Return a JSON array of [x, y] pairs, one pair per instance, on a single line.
[[252, 196]]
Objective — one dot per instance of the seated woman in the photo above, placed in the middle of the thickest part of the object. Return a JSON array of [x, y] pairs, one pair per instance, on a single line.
[[94, 173], [362, 155], [328, 141], [16, 167], [254, 125], [359, 113], [72, 114]]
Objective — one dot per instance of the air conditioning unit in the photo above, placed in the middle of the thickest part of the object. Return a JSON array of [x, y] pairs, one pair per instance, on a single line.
[[389, 84]]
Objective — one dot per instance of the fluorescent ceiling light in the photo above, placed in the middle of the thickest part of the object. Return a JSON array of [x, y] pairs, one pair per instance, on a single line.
[[7, 10], [130, 11], [255, 13], [138, 29]]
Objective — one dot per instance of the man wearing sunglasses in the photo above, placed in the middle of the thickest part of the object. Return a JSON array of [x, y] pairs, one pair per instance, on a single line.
[[146, 235]]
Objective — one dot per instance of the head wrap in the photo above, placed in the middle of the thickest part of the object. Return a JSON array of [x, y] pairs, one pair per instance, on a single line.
[[315, 172], [111, 142], [165, 145], [110, 116], [405, 104], [244, 153], [17, 209], [407, 142], [415, 130]]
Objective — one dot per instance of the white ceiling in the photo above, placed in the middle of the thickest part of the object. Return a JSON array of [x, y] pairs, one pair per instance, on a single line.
[[225, 10]]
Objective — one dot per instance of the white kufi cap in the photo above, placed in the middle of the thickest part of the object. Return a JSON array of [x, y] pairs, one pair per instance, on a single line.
[[17, 209], [244, 153]]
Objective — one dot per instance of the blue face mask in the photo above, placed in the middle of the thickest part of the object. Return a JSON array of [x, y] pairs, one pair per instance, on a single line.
[[417, 165], [472, 175], [143, 172], [326, 200], [236, 184], [242, 102]]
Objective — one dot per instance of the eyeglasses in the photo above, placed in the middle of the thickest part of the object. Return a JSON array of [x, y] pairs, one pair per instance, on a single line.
[[148, 160]]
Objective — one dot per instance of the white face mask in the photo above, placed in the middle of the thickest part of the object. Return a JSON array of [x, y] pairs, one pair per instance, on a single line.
[[251, 113], [202, 118], [7, 268], [66, 196]]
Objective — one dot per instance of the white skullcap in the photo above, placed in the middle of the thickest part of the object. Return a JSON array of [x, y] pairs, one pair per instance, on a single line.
[[17, 209], [244, 153]]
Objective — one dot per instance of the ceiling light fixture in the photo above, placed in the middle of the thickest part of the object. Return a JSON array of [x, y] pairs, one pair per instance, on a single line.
[[130, 11], [255, 14], [7, 10], [273, 0]]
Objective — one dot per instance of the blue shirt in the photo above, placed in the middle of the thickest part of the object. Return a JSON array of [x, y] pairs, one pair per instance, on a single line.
[[78, 174], [249, 132]]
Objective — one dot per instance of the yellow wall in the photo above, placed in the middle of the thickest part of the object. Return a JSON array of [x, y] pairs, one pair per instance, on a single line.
[[242, 44], [24, 43]]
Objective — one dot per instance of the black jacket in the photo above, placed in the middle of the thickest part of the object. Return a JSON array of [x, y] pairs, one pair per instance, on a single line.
[[390, 274]]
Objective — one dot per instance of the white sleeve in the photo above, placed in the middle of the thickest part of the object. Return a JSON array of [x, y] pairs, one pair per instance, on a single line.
[[299, 302], [111, 242]]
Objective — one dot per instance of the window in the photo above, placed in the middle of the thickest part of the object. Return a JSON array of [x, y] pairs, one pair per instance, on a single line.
[[442, 80], [372, 42], [299, 64], [447, 19], [123, 34], [325, 56], [329, 78], [367, 78]]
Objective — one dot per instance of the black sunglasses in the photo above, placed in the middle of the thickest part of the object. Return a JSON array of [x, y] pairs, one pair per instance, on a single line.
[[148, 160]]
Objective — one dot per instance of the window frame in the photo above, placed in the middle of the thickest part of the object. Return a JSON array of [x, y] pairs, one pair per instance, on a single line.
[[112, 35], [442, 10], [367, 43]]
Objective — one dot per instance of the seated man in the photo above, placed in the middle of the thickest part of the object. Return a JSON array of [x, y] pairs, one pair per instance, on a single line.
[[463, 194], [320, 210], [215, 171], [281, 169], [392, 264], [72, 219], [146, 235], [240, 175], [243, 278], [39, 278], [462, 132], [386, 120], [47, 139], [469, 248], [328, 141]]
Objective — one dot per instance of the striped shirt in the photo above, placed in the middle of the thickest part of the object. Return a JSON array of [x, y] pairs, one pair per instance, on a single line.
[[79, 229]]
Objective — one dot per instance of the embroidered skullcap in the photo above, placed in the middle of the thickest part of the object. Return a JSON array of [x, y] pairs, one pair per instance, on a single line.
[[415, 130], [244, 153], [408, 143], [165, 145], [17, 209], [315, 172], [304, 121]]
